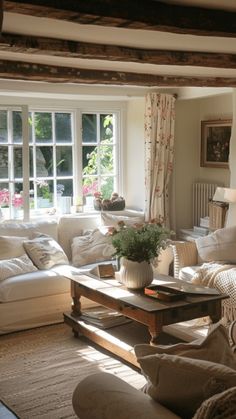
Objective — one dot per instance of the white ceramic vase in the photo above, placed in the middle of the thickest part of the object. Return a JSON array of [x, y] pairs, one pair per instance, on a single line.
[[135, 275]]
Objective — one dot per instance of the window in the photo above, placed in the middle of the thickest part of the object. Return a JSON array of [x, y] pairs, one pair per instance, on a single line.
[[99, 149], [50, 165], [11, 174], [56, 168]]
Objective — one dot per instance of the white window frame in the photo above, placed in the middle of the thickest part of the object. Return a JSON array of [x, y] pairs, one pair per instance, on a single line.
[[77, 109]]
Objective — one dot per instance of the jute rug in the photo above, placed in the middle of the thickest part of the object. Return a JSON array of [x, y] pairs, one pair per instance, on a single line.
[[40, 368]]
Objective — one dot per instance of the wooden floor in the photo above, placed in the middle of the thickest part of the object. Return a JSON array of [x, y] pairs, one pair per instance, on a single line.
[[5, 413]]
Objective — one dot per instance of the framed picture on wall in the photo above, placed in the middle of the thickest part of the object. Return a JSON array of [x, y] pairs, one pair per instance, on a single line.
[[215, 140]]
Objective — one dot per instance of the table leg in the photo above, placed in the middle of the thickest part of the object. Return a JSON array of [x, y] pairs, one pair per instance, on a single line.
[[216, 315], [76, 304], [155, 328]]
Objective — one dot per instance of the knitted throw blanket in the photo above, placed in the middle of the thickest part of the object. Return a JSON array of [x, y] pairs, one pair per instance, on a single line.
[[219, 406], [222, 277]]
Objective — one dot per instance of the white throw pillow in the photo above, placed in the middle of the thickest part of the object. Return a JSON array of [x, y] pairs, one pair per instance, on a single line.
[[113, 220], [182, 384], [218, 246], [92, 247], [16, 266], [45, 252], [11, 247], [215, 347]]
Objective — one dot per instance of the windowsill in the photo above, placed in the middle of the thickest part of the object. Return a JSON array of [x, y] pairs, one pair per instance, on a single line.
[[94, 213], [83, 214]]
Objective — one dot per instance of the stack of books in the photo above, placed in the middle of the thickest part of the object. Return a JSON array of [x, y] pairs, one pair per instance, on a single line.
[[201, 231], [103, 317], [188, 234], [205, 222], [195, 232]]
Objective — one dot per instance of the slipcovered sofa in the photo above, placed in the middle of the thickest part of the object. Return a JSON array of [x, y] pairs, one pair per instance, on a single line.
[[210, 261], [196, 380], [37, 297], [36, 292]]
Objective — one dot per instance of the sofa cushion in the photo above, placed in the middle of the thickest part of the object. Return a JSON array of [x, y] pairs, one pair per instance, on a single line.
[[113, 219], [16, 266], [215, 347], [16, 229], [45, 252], [70, 226], [92, 247], [20, 229], [11, 247], [218, 246], [35, 284], [182, 384]]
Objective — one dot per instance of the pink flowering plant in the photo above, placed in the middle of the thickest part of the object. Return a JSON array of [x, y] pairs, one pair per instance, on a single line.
[[90, 189], [17, 199], [4, 197]]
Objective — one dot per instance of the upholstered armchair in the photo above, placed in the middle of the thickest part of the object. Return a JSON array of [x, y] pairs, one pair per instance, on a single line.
[[210, 261]]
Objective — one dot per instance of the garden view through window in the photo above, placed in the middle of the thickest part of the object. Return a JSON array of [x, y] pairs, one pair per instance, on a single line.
[[55, 169]]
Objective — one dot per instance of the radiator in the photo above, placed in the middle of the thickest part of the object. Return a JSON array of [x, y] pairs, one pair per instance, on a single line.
[[202, 193]]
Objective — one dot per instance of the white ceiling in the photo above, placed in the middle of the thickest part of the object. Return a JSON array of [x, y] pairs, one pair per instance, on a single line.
[[22, 24]]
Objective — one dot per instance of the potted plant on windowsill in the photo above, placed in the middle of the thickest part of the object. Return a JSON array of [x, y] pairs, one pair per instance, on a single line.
[[137, 246]]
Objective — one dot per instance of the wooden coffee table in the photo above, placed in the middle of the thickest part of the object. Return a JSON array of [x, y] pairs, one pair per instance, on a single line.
[[135, 305]]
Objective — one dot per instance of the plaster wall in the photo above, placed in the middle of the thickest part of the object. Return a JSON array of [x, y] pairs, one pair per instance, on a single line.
[[189, 114], [231, 220], [186, 159]]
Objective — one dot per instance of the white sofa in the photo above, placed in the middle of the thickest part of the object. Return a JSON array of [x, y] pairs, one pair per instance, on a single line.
[[39, 298]]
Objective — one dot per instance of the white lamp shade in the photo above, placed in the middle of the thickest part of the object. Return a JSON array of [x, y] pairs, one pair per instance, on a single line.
[[225, 195]]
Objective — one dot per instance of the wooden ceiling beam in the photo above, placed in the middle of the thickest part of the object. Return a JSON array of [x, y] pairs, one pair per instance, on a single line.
[[1, 15], [133, 14], [18, 70], [72, 49]]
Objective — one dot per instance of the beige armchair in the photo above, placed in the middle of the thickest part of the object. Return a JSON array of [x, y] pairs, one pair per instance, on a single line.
[[185, 255], [210, 261]]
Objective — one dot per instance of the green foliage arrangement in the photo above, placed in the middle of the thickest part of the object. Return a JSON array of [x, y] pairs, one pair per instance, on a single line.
[[142, 242]]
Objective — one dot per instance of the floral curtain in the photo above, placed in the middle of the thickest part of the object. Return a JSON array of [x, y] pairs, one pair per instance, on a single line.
[[159, 153]]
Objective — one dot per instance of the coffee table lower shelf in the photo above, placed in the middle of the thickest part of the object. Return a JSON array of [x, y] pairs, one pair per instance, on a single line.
[[104, 338]]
